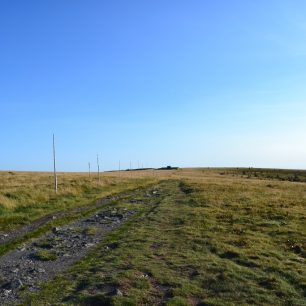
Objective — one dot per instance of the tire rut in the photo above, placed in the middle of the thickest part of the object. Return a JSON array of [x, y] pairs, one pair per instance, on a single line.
[[6, 237], [31, 264]]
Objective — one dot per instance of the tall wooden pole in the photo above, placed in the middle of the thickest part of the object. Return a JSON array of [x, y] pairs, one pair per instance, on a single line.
[[54, 166], [98, 168], [89, 170], [130, 172]]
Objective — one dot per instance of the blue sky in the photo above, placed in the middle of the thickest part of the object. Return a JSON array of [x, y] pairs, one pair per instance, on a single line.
[[187, 83]]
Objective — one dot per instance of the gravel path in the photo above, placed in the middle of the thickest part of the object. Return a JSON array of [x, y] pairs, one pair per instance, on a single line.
[[6, 237], [41, 260], [44, 258]]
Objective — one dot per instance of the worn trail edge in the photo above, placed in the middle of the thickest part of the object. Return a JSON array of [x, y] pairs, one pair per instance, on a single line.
[[6, 237], [41, 260]]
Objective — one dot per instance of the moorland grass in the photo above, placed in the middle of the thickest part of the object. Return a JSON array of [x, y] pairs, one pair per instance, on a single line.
[[26, 196], [214, 239]]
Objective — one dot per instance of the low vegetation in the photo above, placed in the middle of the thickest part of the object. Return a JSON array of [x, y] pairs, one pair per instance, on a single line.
[[90, 231], [45, 255], [26, 196], [271, 174], [213, 239]]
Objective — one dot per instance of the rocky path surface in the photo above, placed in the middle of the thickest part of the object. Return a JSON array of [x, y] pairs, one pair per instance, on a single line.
[[6, 237], [40, 260]]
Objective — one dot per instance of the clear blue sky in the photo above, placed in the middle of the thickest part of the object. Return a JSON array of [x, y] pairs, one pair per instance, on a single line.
[[187, 83]]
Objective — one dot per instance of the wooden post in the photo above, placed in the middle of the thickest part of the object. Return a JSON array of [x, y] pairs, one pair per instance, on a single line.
[[131, 168], [98, 168], [54, 166], [89, 170]]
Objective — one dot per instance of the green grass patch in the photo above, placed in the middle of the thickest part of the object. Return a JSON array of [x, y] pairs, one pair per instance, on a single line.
[[205, 241], [45, 255], [91, 231]]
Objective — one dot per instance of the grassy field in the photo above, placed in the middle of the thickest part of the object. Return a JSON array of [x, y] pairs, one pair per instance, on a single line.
[[271, 174], [26, 196], [216, 237]]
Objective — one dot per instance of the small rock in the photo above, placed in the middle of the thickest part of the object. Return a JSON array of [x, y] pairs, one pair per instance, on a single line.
[[88, 245], [118, 292], [16, 284], [7, 292], [21, 249], [55, 230]]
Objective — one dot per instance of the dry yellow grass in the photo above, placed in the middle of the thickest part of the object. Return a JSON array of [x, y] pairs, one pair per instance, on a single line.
[[25, 196], [214, 239]]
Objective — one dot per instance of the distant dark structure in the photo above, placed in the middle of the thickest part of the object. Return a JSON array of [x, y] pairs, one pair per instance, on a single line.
[[138, 169], [142, 169], [168, 168]]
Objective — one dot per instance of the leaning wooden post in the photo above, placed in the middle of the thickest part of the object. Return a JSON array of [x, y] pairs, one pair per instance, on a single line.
[[54, 166]]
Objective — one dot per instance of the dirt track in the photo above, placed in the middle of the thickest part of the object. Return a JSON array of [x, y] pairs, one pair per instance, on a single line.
[[41, 260], [6, 237]]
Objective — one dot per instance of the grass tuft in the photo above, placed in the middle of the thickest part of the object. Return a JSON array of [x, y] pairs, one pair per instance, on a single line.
[[45, 255]]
